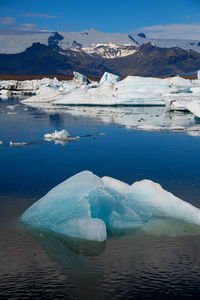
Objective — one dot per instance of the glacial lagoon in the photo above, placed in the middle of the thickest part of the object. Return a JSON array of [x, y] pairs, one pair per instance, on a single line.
[[121, 142]]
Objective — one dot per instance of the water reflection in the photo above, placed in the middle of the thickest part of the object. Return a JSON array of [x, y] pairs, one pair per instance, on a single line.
[[161, 262], [70, 252], [146, 118], [67, 252]]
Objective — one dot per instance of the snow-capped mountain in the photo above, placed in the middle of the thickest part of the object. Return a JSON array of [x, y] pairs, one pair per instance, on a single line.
[[104, 50], [145, 60], [93, 53], [12, 42]]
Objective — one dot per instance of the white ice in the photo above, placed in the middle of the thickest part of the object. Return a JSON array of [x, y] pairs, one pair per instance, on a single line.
[[194, 107], [108, 77], [133, 90], [87, 206], [58, 135]]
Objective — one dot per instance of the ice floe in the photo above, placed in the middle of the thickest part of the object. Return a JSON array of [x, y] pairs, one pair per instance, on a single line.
[[18, 143], [62, 135], [88, 207], [58, 135]]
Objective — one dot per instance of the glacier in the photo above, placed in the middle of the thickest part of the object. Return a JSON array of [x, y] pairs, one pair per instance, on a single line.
[[91, 208]]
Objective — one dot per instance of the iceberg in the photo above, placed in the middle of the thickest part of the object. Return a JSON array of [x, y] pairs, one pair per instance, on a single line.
[[194, 107], [91, 208], [4, 94], [110, 91], [17, 143], [57, 135], [60, 136]]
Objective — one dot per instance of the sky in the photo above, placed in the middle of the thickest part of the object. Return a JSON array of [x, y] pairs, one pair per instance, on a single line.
[[167, 19]]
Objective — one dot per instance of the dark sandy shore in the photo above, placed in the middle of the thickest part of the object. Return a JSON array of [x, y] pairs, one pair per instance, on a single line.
[[31, 77], [63, 77]]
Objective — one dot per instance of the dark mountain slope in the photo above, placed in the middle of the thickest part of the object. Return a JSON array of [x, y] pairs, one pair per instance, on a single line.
[[148, 60]]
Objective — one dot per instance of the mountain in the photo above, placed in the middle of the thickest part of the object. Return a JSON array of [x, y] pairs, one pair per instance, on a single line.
[[12, 42], [144, 60]]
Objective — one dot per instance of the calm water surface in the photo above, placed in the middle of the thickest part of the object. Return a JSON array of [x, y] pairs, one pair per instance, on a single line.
[[164, 265]]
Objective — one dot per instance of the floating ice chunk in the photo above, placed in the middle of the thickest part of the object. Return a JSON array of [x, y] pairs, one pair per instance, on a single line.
[[176, 128], [150, 127], [108, 77], [58, 135], [18, 143], [193, 133], [86, 206], [4, 93], [12, 107], [194, 128], [194, 107], [61, 137]]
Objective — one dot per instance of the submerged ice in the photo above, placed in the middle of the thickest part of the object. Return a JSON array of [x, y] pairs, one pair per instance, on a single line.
[[88, 207]]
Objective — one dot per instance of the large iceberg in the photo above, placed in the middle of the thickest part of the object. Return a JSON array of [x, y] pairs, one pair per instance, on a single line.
[[90, 208], [133, 90]]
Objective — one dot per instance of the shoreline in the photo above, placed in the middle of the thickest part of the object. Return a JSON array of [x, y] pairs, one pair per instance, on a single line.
[[67, 77]]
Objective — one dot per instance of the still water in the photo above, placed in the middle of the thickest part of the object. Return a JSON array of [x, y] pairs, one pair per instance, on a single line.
[[164, 265]]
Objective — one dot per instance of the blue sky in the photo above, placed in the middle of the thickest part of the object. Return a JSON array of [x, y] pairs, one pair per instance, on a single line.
[[151, 16]]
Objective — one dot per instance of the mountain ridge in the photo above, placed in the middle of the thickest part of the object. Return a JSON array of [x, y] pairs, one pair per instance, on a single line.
[[12, 42], [147, 60]]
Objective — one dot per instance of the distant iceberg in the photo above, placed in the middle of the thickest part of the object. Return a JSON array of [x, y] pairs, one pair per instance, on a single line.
[[133, 90], [91, 208], [175, 93]]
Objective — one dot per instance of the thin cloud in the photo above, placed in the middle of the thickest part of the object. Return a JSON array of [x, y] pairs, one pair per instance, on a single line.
[[11, 24], [8, 21], [173, 31], [26, 27], [38, 15]]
